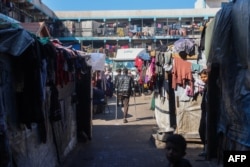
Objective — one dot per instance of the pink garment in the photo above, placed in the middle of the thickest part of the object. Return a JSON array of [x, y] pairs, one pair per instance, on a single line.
[[151, 69], [107, 46], [146, 79], [181, 72], [152, 65]]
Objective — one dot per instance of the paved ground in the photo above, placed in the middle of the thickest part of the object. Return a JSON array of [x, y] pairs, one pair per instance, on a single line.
[[115, 144]]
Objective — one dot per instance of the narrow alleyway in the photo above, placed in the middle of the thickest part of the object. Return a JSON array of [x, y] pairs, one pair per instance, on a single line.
[[115, 144]]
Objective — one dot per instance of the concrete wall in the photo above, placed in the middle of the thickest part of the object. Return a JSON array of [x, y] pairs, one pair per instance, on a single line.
[[209, 3], [136, 13], [199, 4], [39, 5]]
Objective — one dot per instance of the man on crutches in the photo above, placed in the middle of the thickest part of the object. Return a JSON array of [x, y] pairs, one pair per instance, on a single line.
[[124, 86]]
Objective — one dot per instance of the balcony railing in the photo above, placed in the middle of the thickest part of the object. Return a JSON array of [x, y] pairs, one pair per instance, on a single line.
[[120, 32]]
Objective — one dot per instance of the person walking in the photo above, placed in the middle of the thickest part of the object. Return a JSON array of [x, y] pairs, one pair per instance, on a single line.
[[125, 86]]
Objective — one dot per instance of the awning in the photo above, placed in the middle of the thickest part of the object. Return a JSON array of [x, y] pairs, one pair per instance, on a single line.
[[129, 53]]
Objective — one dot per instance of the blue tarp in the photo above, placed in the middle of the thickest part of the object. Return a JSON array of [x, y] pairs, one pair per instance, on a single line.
[[14, 41], [144, 56], [108, 61], [229, 61]]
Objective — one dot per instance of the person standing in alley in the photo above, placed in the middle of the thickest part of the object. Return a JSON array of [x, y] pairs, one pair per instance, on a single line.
[[109, 84], [125, 86], [175, 151], [119, 73], [203, 121]]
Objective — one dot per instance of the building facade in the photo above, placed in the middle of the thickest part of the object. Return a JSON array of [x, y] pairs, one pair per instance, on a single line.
[[118, 28]]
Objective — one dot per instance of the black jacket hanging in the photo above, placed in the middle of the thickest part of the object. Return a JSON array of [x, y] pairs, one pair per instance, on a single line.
[[55, 108]]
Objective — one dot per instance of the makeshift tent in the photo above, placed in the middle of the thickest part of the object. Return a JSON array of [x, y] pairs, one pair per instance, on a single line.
[[178, 96], [228, 87], [40, 83]]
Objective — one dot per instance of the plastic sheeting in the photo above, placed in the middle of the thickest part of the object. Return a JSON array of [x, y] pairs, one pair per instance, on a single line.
[[229, 59], [144, 56], [188, 116], [97, 61], [14, 41], [220, 35], [8, 19], [162, 113], [129, 53]]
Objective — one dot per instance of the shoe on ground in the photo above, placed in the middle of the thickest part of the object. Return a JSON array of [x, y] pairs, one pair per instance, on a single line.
[[125, 121]]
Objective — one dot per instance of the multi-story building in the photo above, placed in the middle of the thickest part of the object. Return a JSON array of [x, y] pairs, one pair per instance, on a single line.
[[116, 28], [26, 10]]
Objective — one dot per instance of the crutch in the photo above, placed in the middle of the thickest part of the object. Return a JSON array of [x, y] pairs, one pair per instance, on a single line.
[[135, 106], [116, 105]]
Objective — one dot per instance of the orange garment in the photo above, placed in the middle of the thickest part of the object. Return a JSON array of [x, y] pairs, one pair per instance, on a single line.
[[181, 72]]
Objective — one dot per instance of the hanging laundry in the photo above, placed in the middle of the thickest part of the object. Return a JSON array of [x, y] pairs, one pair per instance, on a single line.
[[138, 63], [120, 32], [181, 72], [167, 61]]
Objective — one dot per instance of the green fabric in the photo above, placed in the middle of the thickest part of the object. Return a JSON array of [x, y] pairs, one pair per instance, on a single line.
[[44, 40], [152, 107]]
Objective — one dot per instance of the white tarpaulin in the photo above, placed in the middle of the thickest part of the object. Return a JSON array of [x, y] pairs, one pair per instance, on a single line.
[[188, 115], [97, 61], [162, 113], [129, 53]]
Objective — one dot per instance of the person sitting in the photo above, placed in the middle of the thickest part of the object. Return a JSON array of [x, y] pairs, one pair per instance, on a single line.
[[98, 98], [109, 84], [175, 151]]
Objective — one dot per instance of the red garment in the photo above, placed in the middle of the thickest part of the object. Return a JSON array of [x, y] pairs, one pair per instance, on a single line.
[[62, 76], [138, 63], [181, 72], [124, 47]]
